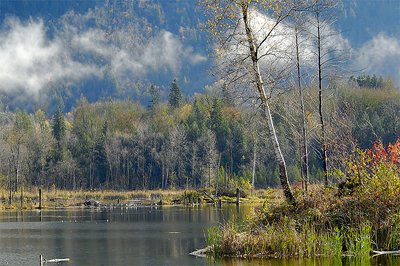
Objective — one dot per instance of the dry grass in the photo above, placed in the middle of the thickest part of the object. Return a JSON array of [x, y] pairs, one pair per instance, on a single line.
[[278, 240], [322, 223], [65, 198]]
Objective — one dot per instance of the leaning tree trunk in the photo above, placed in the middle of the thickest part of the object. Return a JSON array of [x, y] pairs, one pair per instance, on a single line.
[[278, 154], [266, 108]]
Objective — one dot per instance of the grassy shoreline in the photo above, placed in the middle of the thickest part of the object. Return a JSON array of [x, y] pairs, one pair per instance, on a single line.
[[53, 198], [359, 216], [322, 223]]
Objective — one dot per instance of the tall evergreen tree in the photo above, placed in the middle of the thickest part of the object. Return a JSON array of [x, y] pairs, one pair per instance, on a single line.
[[58, 130], [155, 97], [227, 97], [175, 95], [218, 124], [100, 155]]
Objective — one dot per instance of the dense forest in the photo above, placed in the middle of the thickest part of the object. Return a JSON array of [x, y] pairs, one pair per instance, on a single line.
[[208, 140]]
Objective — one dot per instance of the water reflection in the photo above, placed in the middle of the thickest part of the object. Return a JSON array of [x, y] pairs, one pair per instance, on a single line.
[[122, 236], [320, 261], [345, 261], [112, 236]]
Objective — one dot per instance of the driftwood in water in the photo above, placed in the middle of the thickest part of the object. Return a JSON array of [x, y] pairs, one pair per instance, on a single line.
[[201, 252], [91, 203], [389, 252], [57, 260], [211, 197], [43, 260]]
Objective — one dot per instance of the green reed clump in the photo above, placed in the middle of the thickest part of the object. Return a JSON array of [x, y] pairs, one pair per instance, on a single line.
[[390, 233], [285, 240], [333, 243], [359, 241], [212, 239], [311, 239], [320, 242]]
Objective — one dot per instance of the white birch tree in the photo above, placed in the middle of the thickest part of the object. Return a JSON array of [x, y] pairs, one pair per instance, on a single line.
[[245, 36]]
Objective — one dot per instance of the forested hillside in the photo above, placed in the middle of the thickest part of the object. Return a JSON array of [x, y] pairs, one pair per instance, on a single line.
[[100, 49]]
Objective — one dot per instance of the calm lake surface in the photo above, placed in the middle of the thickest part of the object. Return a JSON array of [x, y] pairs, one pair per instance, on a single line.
[[126, 236], [109, 236]]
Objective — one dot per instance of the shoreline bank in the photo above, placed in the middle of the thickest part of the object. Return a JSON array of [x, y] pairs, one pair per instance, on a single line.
[[65, 198]]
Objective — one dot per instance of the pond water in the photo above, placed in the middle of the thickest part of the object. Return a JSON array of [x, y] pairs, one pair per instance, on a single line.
[[109, 236], [126, 236]]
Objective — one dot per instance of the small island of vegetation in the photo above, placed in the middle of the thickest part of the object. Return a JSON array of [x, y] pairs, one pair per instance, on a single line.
[[264, 49], [359, 217]]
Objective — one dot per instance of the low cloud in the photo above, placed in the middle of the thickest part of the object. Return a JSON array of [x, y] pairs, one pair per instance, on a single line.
[[30, 61], [380, 55]]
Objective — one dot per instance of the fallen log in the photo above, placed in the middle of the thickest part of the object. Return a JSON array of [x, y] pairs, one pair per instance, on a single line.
[[43, 260], [201, 252], [210, 197], [57, 260], [388, 252]]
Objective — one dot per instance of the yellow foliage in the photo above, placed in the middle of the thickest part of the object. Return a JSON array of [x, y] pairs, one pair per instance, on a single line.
[[68, 124], [185, 111], [224, 19]]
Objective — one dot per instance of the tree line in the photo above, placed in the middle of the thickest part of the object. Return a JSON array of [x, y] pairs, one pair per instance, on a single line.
[[207, 140]]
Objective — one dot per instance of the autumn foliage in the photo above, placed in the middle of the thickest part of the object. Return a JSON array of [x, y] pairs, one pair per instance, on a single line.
[[376, 172]]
